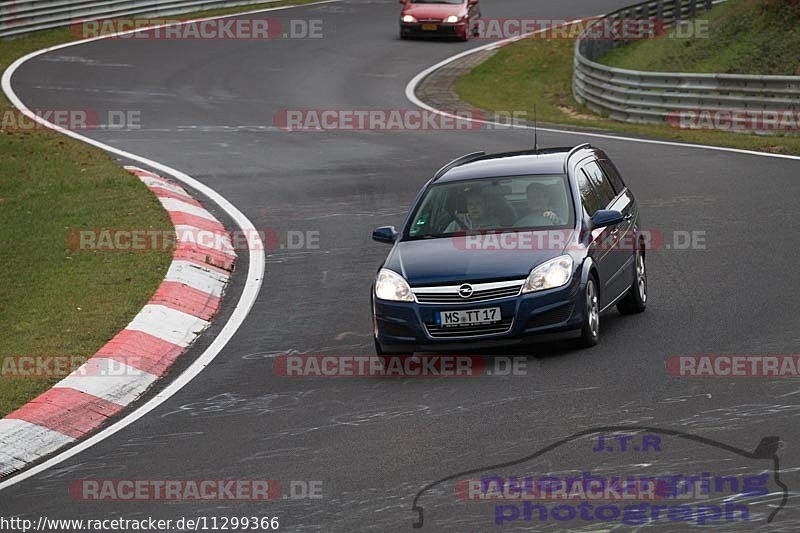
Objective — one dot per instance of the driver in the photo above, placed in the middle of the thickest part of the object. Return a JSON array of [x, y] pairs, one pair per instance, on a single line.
[[541, 208], [477, 215]]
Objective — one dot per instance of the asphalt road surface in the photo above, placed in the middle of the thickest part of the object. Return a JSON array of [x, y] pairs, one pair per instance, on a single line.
[[207, 108]]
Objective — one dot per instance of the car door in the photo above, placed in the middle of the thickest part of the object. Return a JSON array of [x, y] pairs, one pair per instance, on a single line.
[[618, 251], [598, 238]]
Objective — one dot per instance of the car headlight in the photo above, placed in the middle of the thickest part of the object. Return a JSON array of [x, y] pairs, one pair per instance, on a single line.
[[452, 19], [549, 275], [408, 18], [391, 286]]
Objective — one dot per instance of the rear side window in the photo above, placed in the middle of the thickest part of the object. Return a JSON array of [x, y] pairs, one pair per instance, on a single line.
[[588, 195], [600, 182], [613, 175]]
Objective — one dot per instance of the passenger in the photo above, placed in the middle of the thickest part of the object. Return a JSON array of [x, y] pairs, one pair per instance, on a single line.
[[542, 209]]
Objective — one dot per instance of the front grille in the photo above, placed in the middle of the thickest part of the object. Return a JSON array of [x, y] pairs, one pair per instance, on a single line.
[[451, 296], [553, 316], [439, 332]]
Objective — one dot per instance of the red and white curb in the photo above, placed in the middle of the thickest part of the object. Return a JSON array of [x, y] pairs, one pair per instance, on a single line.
[[123, 369]]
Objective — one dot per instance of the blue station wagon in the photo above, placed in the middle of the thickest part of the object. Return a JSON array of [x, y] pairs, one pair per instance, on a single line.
[[509, 248]]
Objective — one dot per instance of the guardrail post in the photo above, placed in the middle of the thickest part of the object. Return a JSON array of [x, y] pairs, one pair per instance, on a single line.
[[676, 14], [660, 10], [709, 4], [694, 9]]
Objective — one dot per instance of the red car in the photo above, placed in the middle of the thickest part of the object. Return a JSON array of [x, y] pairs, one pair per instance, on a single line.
[[442, 18]]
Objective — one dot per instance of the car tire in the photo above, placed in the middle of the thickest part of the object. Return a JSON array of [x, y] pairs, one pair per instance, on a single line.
[[636, 299], [590, 332]]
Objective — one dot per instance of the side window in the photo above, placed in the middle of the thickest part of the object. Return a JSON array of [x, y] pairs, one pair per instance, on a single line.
[[588, 195], [613, 175], [600, 182]]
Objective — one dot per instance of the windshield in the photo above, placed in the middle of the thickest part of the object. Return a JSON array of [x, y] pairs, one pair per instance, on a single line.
[[499, 204], [437, 1]]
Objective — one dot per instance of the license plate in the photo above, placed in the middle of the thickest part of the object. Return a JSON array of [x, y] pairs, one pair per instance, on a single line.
[[429, 27], [469, 317]]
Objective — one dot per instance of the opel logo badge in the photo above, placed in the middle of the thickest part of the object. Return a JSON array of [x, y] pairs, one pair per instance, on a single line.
[[465, 291]]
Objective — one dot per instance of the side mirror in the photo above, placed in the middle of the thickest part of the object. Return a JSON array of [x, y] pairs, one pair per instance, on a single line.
[[606, 217], [385, 234], [403, 1], [472, 2]]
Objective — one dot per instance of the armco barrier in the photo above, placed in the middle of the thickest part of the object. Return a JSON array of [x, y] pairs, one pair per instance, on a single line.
[[652, 97], [21, 17]]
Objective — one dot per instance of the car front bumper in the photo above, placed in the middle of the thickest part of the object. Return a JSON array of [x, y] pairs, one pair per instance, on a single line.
[[443, 29], [405, 327]]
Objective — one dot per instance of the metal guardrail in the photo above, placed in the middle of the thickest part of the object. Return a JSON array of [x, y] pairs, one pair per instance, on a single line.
[[21, 17], [654, 97]]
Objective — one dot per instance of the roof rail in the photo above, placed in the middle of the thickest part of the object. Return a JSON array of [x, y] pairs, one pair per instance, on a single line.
[[579, 147], [456, 162]]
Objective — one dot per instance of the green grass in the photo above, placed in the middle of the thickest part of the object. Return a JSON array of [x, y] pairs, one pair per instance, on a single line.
[[743, 37], [55, 301], [537, 73]]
